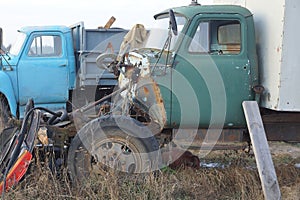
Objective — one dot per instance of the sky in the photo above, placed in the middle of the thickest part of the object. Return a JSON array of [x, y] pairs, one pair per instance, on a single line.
[[18, 13]]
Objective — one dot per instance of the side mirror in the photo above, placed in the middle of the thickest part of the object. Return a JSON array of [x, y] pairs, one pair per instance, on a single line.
[[173, 23]]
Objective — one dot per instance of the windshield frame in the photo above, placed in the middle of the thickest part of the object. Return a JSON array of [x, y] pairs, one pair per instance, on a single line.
[[175, 39], [19, 43]]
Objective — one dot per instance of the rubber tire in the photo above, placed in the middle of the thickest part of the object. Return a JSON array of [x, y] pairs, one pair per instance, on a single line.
[[5, 115], [80, 160], [6, 130]]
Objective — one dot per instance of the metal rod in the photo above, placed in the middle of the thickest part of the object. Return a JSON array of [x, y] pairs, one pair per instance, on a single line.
[[91, 105]]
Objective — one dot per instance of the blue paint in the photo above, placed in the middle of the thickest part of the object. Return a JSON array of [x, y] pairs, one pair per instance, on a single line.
[[47, 74]]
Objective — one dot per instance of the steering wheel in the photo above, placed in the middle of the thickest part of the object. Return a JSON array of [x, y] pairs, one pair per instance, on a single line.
[[103, 61]]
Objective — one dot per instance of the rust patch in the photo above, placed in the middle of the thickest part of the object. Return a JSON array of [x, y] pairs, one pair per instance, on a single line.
[[146, 91], [150, 100], [278, 49]]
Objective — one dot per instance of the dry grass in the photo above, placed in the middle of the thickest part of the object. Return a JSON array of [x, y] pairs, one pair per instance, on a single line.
[[239, 180]]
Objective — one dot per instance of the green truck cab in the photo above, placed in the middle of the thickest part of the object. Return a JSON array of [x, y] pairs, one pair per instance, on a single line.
[[215, 58], [204, 71]]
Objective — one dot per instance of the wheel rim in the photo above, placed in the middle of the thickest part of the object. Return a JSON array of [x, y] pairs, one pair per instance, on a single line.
[[116, 154]]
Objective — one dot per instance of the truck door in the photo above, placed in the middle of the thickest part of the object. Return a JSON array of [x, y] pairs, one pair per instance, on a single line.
[[43, 70], [213, 59]]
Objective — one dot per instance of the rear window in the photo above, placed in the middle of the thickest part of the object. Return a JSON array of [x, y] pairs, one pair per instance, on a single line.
[[229, 34], [217, 37]]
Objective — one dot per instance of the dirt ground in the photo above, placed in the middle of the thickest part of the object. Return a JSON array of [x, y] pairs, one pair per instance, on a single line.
[[286, 159], [282, 148], [230, 174]]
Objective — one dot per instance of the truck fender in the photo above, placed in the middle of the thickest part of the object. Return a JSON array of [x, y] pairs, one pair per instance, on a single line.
[[101, 138], [7, 90], [131, 127]]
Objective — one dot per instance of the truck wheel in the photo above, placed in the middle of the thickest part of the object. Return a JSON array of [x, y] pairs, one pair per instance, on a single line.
[[112, 143], [5, 115]]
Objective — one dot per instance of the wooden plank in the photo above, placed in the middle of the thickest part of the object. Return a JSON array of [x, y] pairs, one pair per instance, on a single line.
[[261, 150], [110, 22]]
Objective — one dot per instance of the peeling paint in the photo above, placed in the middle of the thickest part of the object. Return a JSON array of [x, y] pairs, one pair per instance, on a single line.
[[144, 91]]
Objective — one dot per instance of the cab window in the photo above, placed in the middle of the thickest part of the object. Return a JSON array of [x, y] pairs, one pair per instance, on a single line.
[[200, 41], [229, 38], [221, 37], [46, 46]]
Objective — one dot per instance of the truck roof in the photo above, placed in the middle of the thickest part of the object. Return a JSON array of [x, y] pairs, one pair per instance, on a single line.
[[191, 11], [29, 29]]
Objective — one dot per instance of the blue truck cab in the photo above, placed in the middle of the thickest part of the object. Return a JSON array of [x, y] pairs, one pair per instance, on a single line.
[[48, 63]]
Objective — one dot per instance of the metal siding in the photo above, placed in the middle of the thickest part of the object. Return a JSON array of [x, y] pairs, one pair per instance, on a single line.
[[289, 97], [233, 2], [94, 43], [98, 39], [269, 47]]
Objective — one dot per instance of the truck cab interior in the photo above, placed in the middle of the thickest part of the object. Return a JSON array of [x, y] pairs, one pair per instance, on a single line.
[[217, 37]]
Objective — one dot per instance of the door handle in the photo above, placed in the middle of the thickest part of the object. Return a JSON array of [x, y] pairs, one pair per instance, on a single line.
[[63, 65]]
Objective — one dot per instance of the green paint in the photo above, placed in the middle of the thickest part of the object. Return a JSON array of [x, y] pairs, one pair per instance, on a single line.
[[208, 87]]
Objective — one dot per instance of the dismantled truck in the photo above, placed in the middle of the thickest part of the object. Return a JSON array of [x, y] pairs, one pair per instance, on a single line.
[[182, 83]]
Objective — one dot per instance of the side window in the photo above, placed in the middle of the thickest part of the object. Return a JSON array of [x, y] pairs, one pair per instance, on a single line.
[[229, 38], [217, 37], [46, 46], [200, 41], [229, 34]]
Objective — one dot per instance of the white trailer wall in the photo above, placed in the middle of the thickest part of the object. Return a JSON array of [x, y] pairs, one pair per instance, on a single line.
[[277, 24]]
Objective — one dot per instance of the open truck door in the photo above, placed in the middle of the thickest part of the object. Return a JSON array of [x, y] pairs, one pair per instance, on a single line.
[[16, 147]]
